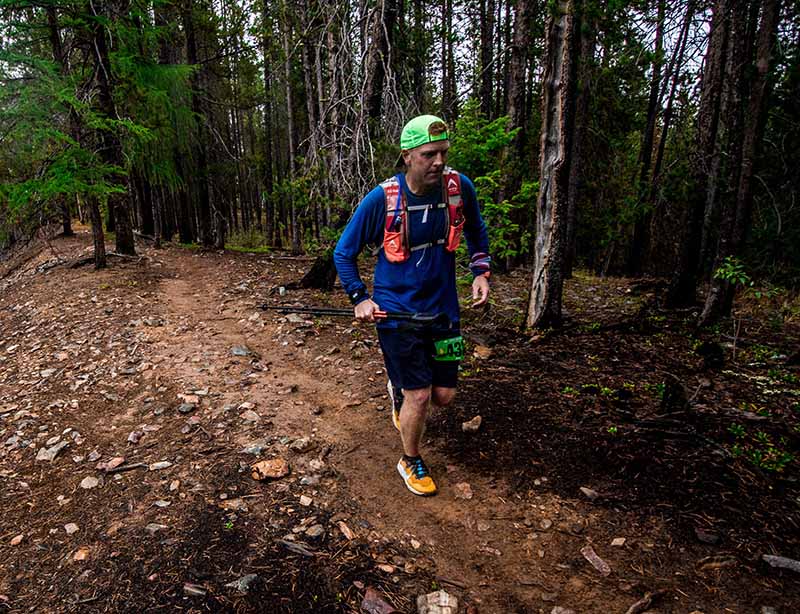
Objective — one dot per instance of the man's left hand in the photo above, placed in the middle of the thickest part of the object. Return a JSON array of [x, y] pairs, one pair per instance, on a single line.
[[480, 291]]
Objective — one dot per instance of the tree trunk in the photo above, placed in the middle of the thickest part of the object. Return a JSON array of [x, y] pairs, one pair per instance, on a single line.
[[643, 215], [558, 116], [98, 238], [111, 148], [487, 31], [198, 87], [381, 38], [738, 211], [683, 284], [577, 169]]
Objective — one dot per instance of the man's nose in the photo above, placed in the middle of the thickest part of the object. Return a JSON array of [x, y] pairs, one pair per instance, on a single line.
[[439, 159]]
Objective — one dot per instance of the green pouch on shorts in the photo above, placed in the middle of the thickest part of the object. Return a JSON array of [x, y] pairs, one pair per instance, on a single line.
[[449, 349]]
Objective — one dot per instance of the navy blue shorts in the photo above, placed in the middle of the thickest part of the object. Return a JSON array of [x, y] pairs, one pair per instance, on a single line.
[[409, 357]]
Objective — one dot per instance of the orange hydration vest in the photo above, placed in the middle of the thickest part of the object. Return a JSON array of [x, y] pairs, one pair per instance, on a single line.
[[396, 243]]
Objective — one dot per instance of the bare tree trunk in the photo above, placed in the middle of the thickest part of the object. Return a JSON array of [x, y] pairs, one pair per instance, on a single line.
[[381, 38], [737, 216], [98, 238], [487, 8], [198, 84], [111, 149], [684, 281], [558, 116], [287, 68], [577, 170], [641, 226]]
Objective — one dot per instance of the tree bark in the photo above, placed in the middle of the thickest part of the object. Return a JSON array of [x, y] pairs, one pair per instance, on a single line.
[[201, 154], [487, 30], [558, 116], [738, 211], [643, 214], [111, 148], [681, 292]]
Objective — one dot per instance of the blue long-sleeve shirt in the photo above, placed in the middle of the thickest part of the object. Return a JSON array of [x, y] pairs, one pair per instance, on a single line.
[[426, 282]]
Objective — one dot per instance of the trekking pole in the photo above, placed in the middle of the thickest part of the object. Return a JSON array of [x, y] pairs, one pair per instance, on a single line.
[[407, 316]]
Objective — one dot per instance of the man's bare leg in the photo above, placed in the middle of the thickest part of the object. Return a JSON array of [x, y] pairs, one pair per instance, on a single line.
[[412, 418]]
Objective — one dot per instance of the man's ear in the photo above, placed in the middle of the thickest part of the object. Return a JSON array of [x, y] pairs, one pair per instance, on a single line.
[[406, 156]]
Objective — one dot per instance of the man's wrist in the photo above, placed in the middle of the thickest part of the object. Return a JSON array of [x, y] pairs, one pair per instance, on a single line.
[[358, 296]]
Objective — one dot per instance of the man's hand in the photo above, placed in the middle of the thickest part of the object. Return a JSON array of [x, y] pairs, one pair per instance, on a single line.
[[480, 291], [365, 310]]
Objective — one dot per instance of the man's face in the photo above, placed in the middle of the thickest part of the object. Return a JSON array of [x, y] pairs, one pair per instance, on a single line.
[[424, 164]]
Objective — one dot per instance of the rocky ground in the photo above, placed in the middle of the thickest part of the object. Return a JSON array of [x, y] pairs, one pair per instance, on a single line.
[[624, 464]]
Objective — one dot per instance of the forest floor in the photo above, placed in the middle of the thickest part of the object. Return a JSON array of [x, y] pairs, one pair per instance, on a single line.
[[147, 391]]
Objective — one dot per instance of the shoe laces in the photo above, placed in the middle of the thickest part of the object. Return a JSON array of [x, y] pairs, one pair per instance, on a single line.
[[419, 468]]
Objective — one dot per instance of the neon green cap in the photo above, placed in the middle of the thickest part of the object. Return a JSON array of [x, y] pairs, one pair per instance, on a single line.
[[421, 130]]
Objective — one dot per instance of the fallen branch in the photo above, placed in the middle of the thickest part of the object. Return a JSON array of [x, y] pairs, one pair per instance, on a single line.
[[130, 467]]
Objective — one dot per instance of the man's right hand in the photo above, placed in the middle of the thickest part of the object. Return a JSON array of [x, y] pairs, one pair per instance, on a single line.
[[365, 310]]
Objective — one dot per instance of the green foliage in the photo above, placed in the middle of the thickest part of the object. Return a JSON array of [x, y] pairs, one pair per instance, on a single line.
[[479, 151], [732, 270]]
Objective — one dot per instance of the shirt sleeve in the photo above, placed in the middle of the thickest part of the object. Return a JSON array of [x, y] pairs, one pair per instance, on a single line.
[[365, 227], [475, 230]]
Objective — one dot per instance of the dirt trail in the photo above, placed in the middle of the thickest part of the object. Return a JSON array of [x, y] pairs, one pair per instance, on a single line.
[[169, 363], [469, 540]]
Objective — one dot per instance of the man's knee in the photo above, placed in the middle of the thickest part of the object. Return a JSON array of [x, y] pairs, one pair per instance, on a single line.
[[442, 397], [417, 398]]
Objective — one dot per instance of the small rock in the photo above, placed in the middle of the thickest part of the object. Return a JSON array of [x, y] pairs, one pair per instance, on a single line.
[[386, 568], [439, 602], [270, 469], [463, 491], [618, 541], [545, 524], [589, 493], [243, 584], [250, 416], [599, 564], [53, 440], [162, 503], [111, 464], [472, 426], [154, 528], [415, 544], [234, 505], [483, 526], [300, 445], [49, 454], [94, 455], [17, 540], [765, 609], [309, 480], [315, 531], [346, 531], [134, 437], [159, 465], [373, 603], [241, 350], [316, 465], [186, 408], [549, 597], [705, 536], [81, 555], [174, 485], [305, 501], [256, 448], [71, 528], [89, 482], [559, 610]]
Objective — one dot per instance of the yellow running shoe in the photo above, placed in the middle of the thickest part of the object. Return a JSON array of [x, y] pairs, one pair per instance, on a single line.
[[416, 476]]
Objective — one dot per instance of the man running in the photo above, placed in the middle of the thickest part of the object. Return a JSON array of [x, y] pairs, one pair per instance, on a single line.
[[417, 218]]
